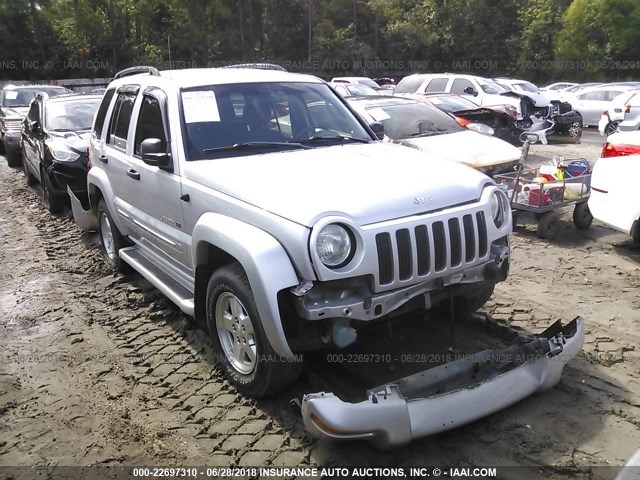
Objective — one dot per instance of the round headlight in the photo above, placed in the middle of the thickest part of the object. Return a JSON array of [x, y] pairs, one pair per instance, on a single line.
[[334, 246], [480, 128], [499, 207]]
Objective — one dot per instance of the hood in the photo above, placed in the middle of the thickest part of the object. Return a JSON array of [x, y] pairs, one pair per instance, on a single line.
[[368, 183], [537, 99], [16, 111], [74, 141], [472, 148]]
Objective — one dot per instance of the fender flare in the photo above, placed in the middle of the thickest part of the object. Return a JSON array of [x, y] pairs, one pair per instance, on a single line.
[[97, 178], [264, 260]]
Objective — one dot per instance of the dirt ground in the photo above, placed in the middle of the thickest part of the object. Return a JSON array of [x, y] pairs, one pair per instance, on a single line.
[[100, 369]]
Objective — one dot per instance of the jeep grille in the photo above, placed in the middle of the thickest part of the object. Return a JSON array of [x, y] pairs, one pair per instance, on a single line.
[[428, 249]]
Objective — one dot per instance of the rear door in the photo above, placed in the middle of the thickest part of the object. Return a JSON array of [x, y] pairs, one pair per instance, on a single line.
[[114, 158]]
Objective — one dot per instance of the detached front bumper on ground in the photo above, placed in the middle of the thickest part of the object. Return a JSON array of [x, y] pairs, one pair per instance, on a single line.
[[449, 395]]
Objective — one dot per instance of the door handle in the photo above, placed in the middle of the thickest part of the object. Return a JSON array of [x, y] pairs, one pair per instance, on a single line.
[[133, 174], [103, 158]]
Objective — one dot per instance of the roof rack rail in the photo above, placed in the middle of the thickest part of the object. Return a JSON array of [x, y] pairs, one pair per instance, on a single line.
[[257, 65], [137, 71]]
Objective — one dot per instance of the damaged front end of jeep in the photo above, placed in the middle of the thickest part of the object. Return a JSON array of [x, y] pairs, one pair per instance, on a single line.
[[449, 395]]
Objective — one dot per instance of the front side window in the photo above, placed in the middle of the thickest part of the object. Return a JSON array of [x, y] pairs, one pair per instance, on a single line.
[[252, 118], [150, 123], [459, 84], [119, 125]]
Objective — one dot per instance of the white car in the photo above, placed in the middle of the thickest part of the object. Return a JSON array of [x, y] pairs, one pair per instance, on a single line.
[[481, 91], [614, 183], [623, 114], [558, 86], [356, 81], [437, 134]]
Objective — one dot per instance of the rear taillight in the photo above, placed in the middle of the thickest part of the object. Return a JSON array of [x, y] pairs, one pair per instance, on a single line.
[[89, 165], [627, 109], [463, 121], [612, 150]]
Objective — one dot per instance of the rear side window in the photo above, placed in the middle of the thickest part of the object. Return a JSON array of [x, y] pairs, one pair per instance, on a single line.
[[409, 84], [437, 85], [150, 124], [119, 125], [98, 123]]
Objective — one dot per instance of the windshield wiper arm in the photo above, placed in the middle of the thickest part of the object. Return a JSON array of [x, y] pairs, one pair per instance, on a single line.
[[319, 138], [256, 145]]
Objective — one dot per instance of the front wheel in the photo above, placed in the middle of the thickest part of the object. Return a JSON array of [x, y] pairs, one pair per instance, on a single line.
[[54, 202], [240, 343], [466, 306], [29, 177]]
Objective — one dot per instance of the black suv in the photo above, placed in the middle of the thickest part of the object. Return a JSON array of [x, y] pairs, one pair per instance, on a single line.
[[55, 139], [14, 103]]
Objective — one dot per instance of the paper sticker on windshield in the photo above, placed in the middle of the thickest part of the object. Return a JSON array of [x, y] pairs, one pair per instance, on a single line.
[[11, 95], [378, 114], [200, 107]]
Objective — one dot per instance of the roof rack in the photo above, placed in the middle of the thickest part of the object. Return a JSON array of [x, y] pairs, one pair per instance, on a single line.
[[137, 71], [259, 66]]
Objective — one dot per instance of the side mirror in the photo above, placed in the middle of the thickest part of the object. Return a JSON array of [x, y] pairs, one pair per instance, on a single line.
[[378, 129], [34, 126], [471, 91], [153, 153]]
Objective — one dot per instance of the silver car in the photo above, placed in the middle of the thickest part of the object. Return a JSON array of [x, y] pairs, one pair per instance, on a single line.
[[591, 102]]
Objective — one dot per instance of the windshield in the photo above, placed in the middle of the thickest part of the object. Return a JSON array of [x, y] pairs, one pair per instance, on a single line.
[[263, 117], [527, 87], [21, 97], [71, 115], [361, 90], [367, 82], [412, 119], [489, 86], [452, 103]]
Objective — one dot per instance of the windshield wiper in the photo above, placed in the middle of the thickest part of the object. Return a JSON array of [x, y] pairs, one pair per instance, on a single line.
[[320, 138], [428, 133], [254, 145]]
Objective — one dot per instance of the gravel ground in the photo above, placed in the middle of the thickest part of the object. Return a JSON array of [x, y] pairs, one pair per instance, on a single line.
[[100, 369]]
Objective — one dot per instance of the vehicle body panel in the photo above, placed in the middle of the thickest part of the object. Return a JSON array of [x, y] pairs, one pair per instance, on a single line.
[[449, 395], [614, 184]]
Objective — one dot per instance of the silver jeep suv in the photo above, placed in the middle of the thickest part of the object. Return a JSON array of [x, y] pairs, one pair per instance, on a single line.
[[260, 204]]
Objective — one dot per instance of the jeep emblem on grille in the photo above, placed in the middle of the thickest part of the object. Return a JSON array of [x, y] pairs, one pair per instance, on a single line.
[[425, 199]]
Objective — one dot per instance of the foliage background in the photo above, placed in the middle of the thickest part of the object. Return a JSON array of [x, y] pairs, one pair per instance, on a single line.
[[541, 40]]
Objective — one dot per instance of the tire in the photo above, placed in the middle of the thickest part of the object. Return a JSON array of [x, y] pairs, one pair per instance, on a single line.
[[611, 128], [248, 360], [54, 202], [29, 177], [14, 157], [548, 225], [582, 217], [2, 151], [111, 239], [466, 306]]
